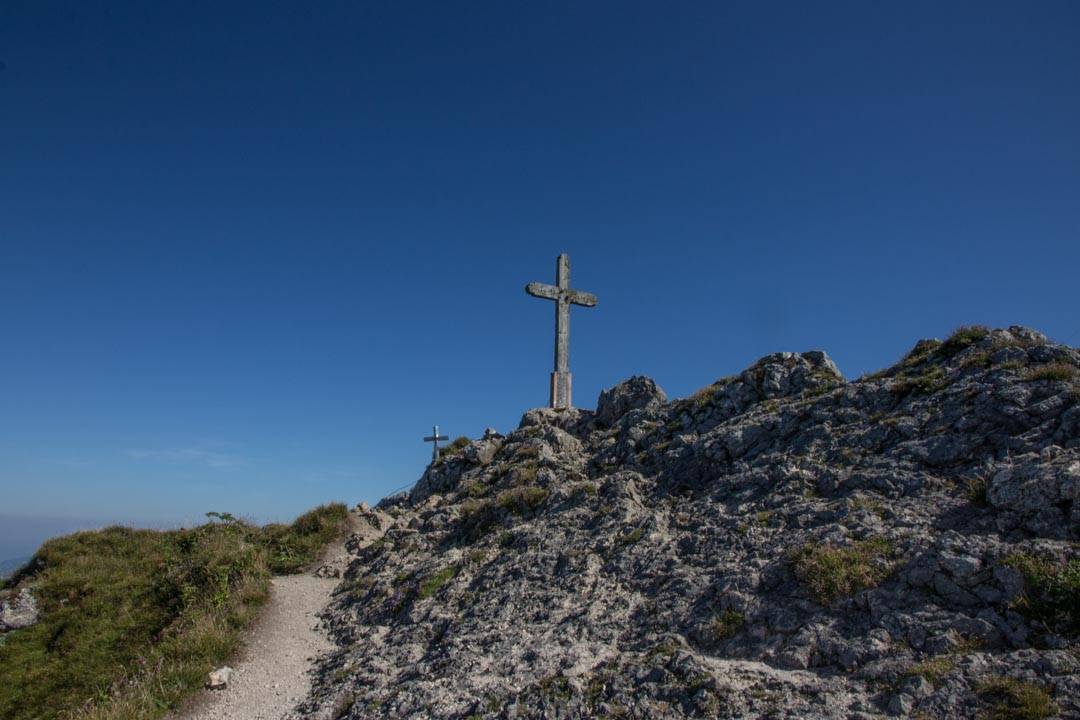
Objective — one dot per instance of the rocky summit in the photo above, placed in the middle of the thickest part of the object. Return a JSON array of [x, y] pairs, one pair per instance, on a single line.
[[784, 543]]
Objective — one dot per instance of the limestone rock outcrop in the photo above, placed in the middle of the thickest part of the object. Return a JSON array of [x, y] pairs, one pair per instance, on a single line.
[[783, 543]]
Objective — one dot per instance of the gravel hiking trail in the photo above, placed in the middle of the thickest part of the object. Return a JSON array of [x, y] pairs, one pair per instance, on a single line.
[[272, 672]]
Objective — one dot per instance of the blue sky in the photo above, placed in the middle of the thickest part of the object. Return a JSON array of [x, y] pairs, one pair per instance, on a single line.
[[251, 252]]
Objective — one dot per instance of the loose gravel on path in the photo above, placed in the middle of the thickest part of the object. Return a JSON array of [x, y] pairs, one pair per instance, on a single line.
[[272, 676]]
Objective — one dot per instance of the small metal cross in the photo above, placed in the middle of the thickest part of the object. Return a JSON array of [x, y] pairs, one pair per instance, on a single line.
[[435, 437], [564, 297]]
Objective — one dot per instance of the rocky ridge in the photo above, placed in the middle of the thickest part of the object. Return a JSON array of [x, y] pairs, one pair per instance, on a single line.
[[784, 543]]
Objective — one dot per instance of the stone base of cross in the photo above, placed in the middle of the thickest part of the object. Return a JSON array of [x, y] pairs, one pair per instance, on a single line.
[[561, 390]]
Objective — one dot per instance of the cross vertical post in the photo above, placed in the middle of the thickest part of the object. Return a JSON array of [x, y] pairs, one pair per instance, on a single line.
[[564, 297], [434, 438]]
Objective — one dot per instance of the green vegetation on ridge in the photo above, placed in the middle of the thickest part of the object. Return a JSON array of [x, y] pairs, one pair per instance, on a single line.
[[132, 620]]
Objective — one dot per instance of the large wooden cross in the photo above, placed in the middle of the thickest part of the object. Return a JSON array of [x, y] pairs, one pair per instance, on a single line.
[[435, 437], [564, 297]]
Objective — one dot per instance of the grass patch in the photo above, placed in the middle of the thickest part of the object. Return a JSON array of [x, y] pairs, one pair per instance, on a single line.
[[927, 383], [522, 500], [527, 452], [294, 547], [1058, 371], [1012, 699], [431, 584], [726, 625], [1051, 591], [961, 339], [133, 620], [861, 502], [585, 490], [832, 572], [454, 448], [975, 490], [921, 351], [631, 537], [525, 474], [477, 518], [764, 517], [933, 669], [476, 488], [703, 396]]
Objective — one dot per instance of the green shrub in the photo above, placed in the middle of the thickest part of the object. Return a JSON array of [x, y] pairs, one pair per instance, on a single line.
[[831, 572], [1059, 371], [522, 500], [961, 339], [1012, 699], [1051, 591]]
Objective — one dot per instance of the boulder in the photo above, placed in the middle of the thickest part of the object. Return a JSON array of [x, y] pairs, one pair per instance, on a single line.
[[18, 612], [636, 393]]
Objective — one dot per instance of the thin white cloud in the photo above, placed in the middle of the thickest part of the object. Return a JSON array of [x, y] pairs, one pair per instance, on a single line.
[[190, 456]]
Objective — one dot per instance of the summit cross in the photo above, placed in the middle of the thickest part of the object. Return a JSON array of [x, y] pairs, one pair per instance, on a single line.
[[435, 437], [564, 297]]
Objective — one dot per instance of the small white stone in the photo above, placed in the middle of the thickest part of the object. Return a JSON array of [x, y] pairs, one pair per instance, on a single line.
[[220, 678]]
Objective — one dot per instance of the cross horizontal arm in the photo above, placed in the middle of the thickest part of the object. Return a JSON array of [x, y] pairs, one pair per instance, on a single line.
[[540, 290], [433, 438], [577, 297]]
